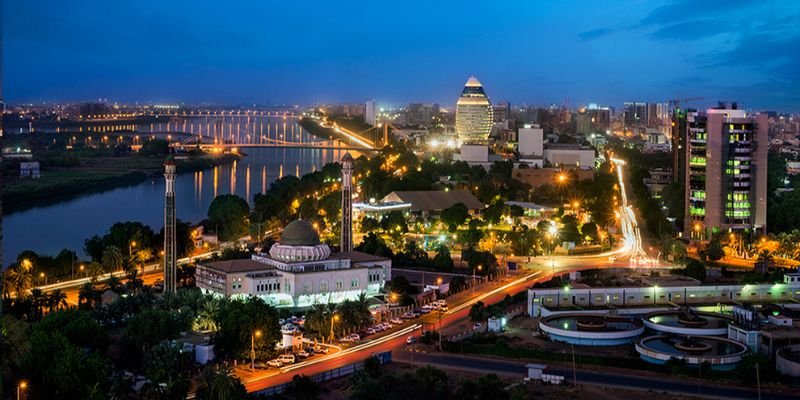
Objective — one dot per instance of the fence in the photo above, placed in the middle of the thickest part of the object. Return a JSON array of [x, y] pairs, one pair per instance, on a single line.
[[383, 358]]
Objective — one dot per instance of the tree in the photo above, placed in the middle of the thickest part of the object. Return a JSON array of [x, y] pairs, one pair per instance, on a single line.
[[229, 213], [166, 366], [58, 299], [239, 320], [154, 148], [207, 317], [369, 224], [442, 261], [589, 230], [394, 221], [714, 251], [454, 216], [219, 383], [477, 312], [87, 296], [112, 258], [374, 244], [694, 269]]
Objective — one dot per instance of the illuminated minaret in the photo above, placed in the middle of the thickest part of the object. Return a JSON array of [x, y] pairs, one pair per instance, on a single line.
[[346, 241], [170, 257]]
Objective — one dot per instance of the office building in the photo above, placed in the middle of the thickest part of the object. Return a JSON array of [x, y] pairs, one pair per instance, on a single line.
[[652, 115], [473, 114], [501, 111], [634, 114], [370, 112], [726, 172]]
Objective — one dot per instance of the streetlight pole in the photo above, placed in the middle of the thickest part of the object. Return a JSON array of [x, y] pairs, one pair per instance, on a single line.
[[334, 318], [253, 349], [21, 388]]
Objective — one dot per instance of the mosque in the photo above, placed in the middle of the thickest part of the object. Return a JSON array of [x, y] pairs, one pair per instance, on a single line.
[[299, 270]]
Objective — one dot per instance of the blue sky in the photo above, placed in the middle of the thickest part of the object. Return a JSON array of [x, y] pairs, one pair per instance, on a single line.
[[319, 51]]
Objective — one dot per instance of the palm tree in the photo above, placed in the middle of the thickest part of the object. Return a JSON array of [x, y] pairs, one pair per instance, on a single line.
[[142, 256], [113, 259], [39, 301], [86, 295], [21, 279], [134, 282], [95, 269], [207, 317], [220, 384], [113, 283], [58, 299]]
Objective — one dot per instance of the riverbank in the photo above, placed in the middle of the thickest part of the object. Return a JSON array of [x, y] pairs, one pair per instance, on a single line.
[[94, 175]]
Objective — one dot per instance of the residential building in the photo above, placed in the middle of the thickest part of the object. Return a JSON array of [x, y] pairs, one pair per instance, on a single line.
[[726, 172], [370, 112], [501, 111]]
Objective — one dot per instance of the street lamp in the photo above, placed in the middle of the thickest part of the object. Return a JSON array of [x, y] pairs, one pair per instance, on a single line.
[[253, 337], [42, 275], [82, 268], [478, 267], [131, 245], [334, 318], [21, 388]]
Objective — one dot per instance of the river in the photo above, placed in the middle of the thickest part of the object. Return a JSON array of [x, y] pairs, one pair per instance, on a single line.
[[67, 224]]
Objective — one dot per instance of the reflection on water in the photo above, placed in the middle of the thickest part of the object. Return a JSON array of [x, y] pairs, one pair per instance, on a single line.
[[68, 224]]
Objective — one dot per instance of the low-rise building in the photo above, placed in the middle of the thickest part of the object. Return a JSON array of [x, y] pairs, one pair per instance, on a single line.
[[298, 271]]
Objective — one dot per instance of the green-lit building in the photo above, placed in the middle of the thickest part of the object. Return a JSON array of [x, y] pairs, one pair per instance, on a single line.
[[726, 171]]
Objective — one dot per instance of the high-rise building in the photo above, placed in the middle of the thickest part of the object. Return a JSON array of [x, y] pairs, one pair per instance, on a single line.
[[170, 222], [634, 114], [726, 172], [370, 112], [501, 111], [473, 113], [652, 115], [346, 240]]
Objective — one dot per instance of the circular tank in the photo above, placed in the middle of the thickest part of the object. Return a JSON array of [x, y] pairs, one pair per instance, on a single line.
[[591, 329], [720, 353], [687, 323]]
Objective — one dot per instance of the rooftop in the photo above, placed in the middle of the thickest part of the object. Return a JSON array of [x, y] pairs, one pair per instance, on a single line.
[[299, 233], [356, 257], [434, 200], [237, 266]]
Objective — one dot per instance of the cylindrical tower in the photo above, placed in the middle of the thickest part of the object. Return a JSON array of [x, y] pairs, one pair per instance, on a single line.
[[473, 114], [170, 249], [346, 240]]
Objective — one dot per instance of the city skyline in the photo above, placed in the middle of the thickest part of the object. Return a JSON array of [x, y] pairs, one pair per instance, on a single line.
[[524, 53]]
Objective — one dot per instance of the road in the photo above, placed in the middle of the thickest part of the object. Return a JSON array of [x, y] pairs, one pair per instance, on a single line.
[[589, 377], [453, 321]]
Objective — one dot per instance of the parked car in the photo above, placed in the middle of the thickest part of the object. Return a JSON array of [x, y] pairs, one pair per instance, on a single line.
[[302, 354], [408, 315], [370, 331], [275, 363], [411, 340], [476, 326], [387, 325], [286, 358], [355, 337], [321, 350], [396, 321], [346, 339]]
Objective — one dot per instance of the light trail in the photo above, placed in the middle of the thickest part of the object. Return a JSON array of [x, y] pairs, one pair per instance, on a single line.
[[631, 236]]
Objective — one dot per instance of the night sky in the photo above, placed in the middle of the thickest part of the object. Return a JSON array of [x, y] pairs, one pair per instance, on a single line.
[[319, 51]]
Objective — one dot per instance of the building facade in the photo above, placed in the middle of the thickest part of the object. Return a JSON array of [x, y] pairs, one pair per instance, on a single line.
[[298, 271], [370, 112], [726, 171], [474, 114]]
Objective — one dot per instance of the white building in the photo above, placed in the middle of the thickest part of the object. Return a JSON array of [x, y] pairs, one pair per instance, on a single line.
[[370, 112], [298, 271], [569, 155], [531, 142]]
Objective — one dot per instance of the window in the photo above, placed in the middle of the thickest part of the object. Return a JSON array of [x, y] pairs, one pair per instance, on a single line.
[[339, 285], [323, 286], [307, 287], [354, 283]]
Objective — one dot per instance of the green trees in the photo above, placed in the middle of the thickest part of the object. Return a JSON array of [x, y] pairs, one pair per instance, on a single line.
[[454, 216], [239, 319], [228, 214], [207, 317], [374, 244], [166, 367], [219, 383], [113, 260], [442, 261]]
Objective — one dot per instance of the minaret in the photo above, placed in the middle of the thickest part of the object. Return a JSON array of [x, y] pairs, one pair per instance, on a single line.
[[346, 241], [170, 255]]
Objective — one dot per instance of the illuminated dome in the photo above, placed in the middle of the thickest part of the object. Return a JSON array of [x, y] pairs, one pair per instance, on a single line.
[[473, 113], [299, 242]]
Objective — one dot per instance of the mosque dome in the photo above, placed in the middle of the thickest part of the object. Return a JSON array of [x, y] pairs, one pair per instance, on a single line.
[[299, 242]]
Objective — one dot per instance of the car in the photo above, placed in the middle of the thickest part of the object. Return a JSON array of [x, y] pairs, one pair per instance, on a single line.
[[396, 321], [408, 315], [387, 325], [371, 331], [302, 354], [346, 339], [275, 363], [417, 315], [411, 340], [477, 325], [425, 310], [321, 350], [355, 337], [443, 308], [286, 358]]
